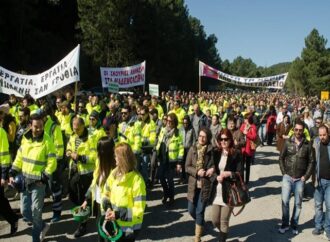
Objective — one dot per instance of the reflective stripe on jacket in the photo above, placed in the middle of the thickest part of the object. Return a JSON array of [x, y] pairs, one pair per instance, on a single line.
[[35, 157], [126, 195], [130, 133], [175, 146], [87, 149], [54, 131], [4, 153]]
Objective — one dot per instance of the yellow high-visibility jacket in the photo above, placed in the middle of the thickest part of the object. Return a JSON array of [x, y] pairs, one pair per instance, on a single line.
[[130, 133], [175, 146], [86, 153], [54, 131], [66, 124], [180, 113], [35, 157], [149, 133], [4, 154], [126, 195]]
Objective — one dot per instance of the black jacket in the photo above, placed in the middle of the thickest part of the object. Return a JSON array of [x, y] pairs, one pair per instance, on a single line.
[[297, 163]]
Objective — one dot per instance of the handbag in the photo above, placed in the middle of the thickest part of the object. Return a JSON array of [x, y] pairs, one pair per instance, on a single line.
[[236, 193], [256, 143]]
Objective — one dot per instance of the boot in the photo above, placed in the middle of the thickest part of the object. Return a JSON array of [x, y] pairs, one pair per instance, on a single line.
[[223, 237], [81, 230], [198, 233]]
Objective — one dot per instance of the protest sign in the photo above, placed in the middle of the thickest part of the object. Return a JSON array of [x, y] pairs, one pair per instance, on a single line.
[[154, 90], [129, 76], [63, 73], [276, 82]]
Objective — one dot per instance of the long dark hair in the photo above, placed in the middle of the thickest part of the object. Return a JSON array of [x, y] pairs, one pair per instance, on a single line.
[[225, 131], [106, 155]]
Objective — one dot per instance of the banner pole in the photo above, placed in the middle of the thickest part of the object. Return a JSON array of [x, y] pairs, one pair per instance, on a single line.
[[199, 84], [75, 95]]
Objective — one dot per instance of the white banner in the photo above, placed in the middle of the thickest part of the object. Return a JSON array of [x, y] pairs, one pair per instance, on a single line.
[[128, 76], [276, 82], [154, 90], [63, 73]]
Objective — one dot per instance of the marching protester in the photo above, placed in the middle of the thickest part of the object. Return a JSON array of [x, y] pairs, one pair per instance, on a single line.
[[321, 195], [189, 139], [81, 150], [95, 128], [23, 127], [282, 130], [148, 132], [249, 129], [129, 130], [36, 160], [124, 196], [104, 164], [5, 208], [238, 136], [198, 119], [53, 130], [170, 152], [271, 125], [200, 168], [296, 164], [230, 161]]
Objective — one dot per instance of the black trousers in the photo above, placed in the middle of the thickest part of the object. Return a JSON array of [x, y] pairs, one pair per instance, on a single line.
[[78, 186], [5, 208]]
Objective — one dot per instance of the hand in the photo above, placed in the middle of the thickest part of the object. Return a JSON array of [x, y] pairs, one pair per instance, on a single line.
[[220, 178], [235, 142], [74, 155], [3, 182], [68, 153], [209, 172], [201, 173], [178, 168], [302, 179], [110, 215], [11, 181], [84, 205]]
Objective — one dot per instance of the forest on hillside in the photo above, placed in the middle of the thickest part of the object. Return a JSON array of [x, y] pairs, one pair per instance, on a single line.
[[36, 34]]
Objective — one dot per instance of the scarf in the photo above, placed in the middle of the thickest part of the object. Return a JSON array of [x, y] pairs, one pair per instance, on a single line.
[[200, 156]]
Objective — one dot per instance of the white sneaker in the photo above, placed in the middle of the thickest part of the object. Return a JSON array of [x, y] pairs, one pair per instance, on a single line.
[[44, 232]]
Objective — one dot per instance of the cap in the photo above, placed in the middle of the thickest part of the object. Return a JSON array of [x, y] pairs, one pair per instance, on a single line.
[[94, 114]]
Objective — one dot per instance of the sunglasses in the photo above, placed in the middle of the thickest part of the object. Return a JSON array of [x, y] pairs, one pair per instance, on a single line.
[[299, 130], [223, 139], [122, 113]]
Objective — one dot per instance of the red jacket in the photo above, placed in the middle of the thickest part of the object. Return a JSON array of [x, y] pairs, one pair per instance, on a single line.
[[251, 135], [271, 124]]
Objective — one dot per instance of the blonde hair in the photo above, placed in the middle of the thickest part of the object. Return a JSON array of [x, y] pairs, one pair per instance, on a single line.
[[125, 158]]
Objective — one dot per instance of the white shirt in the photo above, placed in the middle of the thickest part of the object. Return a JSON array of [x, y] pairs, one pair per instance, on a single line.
[[218, 200]]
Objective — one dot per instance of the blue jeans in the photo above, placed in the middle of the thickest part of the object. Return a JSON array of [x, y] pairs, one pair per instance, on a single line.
[[32, 202], [297, 187], [197, 208], [322, 194], [262, 132]]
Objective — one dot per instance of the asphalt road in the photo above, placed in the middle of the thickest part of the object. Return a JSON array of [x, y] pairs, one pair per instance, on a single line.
[[257, 223]]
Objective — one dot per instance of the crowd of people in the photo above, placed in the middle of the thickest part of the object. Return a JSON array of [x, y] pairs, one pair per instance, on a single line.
[[113, 149]]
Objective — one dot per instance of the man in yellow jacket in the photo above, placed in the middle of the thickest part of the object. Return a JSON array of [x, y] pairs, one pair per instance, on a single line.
[[5, 210], [36, 160], [81, 150]]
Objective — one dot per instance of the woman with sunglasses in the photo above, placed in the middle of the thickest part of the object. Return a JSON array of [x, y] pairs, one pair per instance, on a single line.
[[230, 161], [200, 168], [170, 153]]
